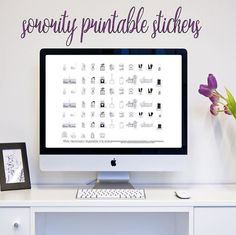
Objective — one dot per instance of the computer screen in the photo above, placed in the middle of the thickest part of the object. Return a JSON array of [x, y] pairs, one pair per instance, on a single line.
[[128, 102]]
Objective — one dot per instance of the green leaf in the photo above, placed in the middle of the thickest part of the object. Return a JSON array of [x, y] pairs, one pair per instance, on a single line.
[[231, 103]]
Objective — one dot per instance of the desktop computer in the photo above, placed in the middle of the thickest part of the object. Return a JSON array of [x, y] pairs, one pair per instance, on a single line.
[[113, 111]]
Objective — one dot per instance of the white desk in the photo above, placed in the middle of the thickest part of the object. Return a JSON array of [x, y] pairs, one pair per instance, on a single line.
[[54, 210]]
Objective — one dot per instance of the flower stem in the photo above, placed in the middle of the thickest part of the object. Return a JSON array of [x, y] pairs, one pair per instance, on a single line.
[[221, 96], [221, 103]]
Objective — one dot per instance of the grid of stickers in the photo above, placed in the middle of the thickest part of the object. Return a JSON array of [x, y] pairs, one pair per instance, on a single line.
[[102, 98]]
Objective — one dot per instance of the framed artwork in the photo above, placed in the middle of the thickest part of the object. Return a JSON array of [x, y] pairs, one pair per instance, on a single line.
[[14, 169]]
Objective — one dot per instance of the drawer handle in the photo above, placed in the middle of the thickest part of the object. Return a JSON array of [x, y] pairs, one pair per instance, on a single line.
[[16, 225]]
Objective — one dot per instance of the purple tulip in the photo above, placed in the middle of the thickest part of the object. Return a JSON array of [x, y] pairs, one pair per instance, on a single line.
[[226, 110], [214, 99], [214, 109], [208, 90], [219, 103]]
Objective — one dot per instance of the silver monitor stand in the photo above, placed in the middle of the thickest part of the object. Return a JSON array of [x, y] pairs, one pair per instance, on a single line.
[[113, 180]]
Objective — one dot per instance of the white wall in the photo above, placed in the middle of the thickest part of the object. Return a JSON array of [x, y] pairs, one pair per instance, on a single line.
[[212, 141]]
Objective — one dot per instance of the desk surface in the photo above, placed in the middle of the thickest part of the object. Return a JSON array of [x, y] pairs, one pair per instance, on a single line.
[[156, 195]]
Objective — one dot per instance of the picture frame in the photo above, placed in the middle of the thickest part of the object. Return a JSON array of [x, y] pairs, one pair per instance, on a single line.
[[14, 169]]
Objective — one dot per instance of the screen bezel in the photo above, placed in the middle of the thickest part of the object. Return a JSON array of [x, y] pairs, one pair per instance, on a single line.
[[110, 151]]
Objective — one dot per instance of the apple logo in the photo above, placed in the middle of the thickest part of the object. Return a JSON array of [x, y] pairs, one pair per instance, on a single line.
[[113, 162]]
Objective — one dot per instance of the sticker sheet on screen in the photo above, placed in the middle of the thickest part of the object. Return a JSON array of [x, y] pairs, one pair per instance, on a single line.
[[113, 101]]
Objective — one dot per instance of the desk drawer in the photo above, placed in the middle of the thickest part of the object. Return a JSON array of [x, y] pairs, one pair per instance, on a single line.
[[215, 221], [15, 221]]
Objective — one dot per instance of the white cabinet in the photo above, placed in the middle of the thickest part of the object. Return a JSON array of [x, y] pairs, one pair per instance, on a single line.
[[215, 221], [55, 211], [14, 221]]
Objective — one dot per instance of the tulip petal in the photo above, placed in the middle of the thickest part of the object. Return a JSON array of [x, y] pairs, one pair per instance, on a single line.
[[204, 90], [212, 83], [214, 99], [214, 109], [226, 110]]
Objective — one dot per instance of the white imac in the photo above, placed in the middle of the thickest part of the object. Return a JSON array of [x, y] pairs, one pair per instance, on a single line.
[[113, 110]]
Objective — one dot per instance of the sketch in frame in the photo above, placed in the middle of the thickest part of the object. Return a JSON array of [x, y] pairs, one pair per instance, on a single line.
[[13, 166], [14, 170]]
